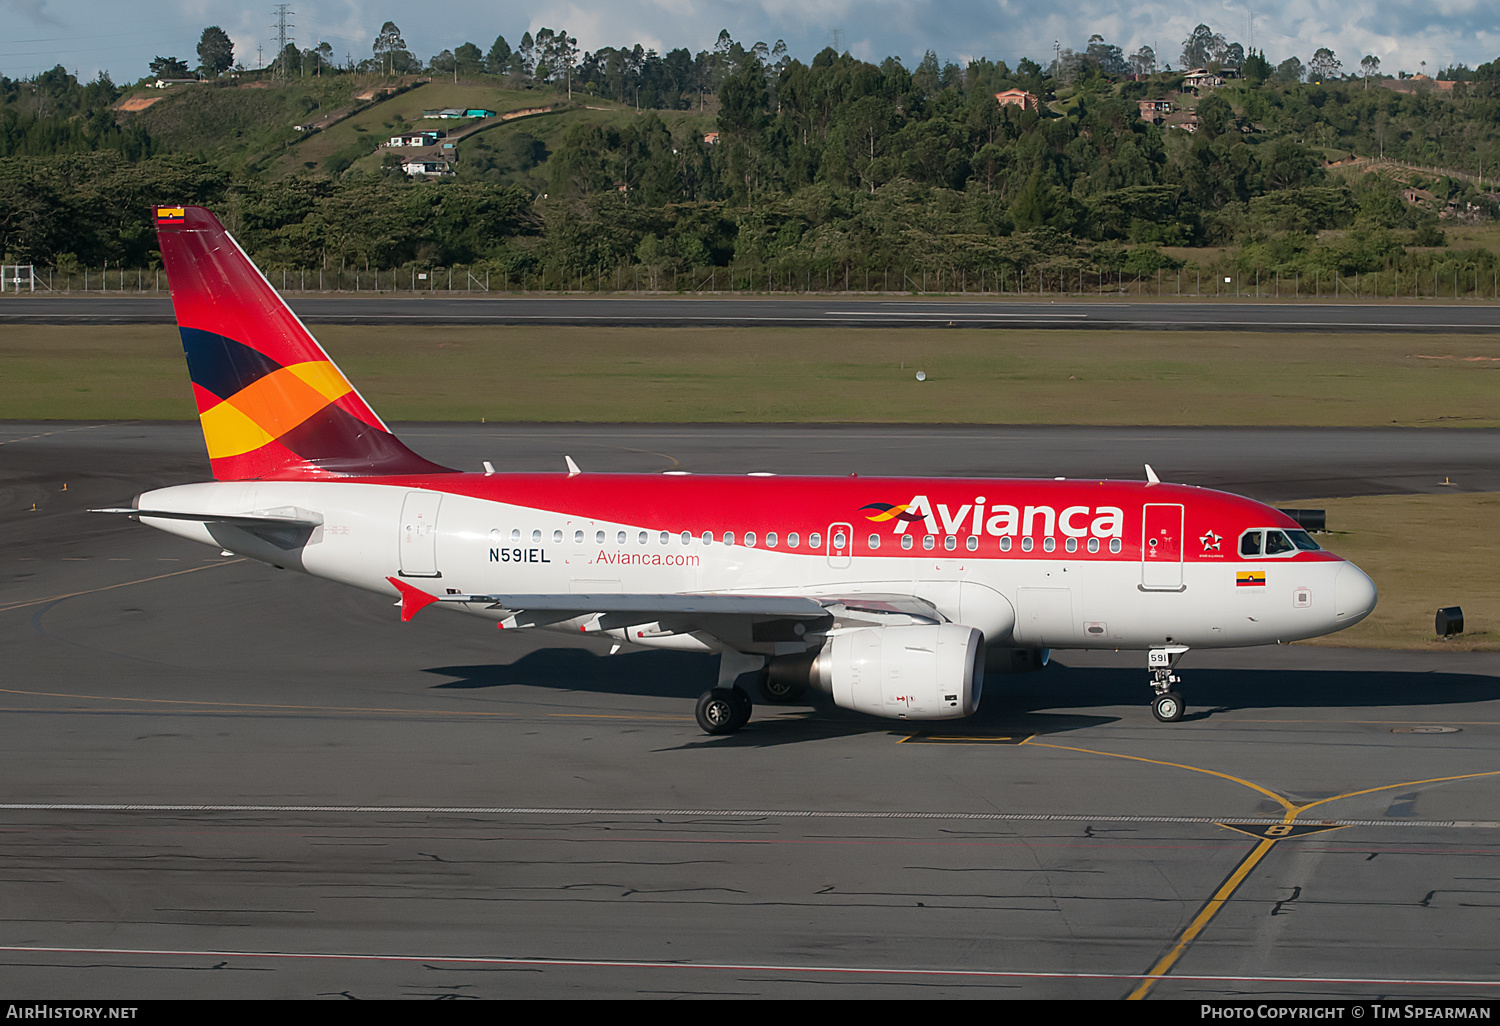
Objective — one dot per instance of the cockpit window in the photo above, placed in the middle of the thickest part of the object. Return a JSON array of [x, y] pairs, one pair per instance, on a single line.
[[1303, 541], [1278, 543], [1250, 543]]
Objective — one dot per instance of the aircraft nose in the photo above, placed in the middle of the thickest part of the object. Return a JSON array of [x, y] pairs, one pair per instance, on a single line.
[[1353, 595]]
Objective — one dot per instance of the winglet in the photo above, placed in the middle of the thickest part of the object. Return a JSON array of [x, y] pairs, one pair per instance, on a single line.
[[1151, 477], [573, 470], [413, 600]]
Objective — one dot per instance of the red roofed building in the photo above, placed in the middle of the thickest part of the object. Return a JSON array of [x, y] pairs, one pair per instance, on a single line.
[[1017, 98]]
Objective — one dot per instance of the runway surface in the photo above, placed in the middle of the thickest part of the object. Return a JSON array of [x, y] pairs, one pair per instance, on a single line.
[[1206, 314], [225, 781]]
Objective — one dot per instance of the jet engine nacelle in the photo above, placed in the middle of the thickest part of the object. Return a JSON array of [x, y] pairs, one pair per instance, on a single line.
[[927, 672]]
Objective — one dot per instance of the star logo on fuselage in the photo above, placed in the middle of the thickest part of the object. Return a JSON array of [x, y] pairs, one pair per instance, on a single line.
[[1210, 542]]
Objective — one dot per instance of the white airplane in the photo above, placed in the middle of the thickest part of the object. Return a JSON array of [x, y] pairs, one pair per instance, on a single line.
[[889, 594]]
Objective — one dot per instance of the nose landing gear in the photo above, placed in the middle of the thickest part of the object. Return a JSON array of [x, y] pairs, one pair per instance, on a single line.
[[1166, 704]]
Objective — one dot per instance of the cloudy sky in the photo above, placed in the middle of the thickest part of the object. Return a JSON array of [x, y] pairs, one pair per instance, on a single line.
[[121, 37]]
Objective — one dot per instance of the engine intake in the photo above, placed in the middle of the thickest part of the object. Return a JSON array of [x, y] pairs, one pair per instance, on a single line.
[[925, 672]]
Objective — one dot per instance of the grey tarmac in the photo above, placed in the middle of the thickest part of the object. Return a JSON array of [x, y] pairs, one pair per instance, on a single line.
[[307, 798], [1199, 314]]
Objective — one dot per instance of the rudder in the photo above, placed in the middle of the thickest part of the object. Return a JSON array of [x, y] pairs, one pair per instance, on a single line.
[[271, 402]]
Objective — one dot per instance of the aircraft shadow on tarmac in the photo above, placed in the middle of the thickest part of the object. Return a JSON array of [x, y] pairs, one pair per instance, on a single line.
[[1055, 700]]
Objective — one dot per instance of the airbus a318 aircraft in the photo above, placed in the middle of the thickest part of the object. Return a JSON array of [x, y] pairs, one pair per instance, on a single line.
[[889, 594]]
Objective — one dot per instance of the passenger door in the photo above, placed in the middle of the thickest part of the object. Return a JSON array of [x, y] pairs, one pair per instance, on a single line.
[[419, 534], [1161, 547]]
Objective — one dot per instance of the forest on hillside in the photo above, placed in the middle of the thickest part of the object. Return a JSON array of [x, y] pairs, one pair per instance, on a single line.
[[833, 169]]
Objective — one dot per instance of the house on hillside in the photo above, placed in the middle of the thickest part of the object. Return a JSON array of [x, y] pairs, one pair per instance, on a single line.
[[1202, 78], [1017, 98], [711, 139], [424, 168], [1155, 111], [416, 139]]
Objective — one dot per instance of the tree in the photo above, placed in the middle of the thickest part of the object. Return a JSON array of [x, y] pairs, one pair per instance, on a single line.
[[1289, 72], [1143, 61], [388, 43], [1370, 65], [470, 59], [1324, 65], [169, 67], [1109, 57], [215, 51], [498, 60], [1257, 69], [1202, 48]]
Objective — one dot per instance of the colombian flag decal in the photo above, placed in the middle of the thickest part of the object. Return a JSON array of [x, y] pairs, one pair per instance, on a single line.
[[1250, 579], [170, 215]]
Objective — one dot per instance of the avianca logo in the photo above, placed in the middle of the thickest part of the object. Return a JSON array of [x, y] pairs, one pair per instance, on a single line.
[[885, 511], [1001, 519]]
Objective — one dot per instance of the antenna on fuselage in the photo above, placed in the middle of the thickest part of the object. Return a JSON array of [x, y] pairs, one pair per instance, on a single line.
[[1151, 477]]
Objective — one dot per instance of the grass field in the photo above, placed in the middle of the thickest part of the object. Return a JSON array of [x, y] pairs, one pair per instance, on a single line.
[[805, 375], [1423, 552]]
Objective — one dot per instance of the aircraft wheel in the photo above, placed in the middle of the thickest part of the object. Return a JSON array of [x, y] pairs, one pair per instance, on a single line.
[[779, 691], [719, 712], [1167, 707]]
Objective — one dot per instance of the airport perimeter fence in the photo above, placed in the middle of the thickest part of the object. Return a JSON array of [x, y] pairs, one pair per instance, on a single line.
[[1449, 281]]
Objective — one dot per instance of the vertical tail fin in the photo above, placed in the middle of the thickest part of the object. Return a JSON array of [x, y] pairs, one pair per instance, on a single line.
[[271, 402]]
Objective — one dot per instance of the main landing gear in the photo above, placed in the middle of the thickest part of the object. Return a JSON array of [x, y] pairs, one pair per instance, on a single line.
[[726, 708], [723, 710], [1166, 704]]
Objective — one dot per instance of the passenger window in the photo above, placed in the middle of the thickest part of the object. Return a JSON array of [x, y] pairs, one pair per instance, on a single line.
[[1026, 544], [577, 537], [973, 543], [1048, 544], [666, 536], [750, 538], [556, 536], [1072, 545], [1114, 545], [1093, 544], [515, 534], [770, 539], [928, 542], [687, 537], [1250, 544], [1278, 543], [1005, 544], [708, 537], [792, 540], [640, 539], [950, 543], [536, 536], [839, 541], [815, 540], [728, 537], [874, 541], [906, 541]]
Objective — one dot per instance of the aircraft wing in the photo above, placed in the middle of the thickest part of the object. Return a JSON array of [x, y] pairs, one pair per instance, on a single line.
[[745, 622]]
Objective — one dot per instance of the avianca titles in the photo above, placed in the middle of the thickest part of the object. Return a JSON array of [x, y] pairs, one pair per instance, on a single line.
[[891, 595]]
